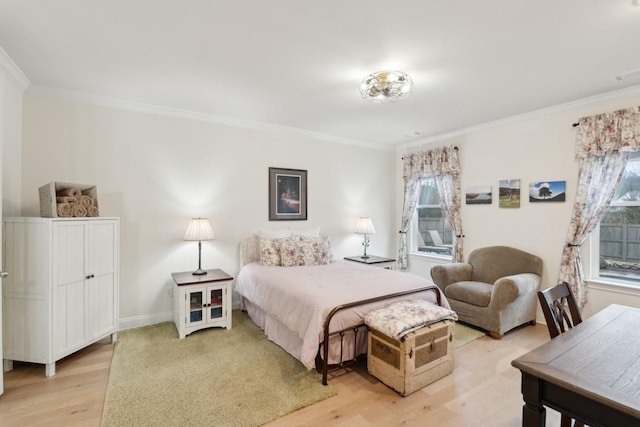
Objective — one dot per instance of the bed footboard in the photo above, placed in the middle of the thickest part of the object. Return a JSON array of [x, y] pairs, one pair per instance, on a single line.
[[324, 363]]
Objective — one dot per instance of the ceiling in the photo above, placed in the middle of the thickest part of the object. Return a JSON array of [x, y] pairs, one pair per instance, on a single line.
[[299, 63]]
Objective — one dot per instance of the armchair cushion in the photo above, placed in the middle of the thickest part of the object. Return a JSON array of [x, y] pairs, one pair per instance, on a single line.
[[476, 293]]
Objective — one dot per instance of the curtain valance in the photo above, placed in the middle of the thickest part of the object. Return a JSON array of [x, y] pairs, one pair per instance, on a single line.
[[611, 132], [433, 162]]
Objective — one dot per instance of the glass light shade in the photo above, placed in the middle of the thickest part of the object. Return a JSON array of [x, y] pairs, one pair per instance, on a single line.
[[386, 86], [365, 226], [199, 229]]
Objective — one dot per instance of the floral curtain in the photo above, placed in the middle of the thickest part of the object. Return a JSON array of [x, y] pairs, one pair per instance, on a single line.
[[603, 142], [449, 192], [442, 164]]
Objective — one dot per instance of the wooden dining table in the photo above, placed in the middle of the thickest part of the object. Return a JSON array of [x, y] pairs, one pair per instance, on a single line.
[[591, 372]]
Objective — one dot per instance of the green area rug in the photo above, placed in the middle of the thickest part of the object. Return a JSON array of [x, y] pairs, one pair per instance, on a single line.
[[213, 377], [464, 334]]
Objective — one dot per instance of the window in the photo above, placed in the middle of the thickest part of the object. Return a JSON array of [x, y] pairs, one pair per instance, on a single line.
[[431, 231], [619, 244]]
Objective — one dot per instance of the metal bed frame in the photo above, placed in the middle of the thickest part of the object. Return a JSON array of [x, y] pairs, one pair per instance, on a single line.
[[323, 365]]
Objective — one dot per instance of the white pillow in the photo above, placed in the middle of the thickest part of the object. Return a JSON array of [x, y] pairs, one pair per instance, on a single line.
[[306, 232], [280, 233]]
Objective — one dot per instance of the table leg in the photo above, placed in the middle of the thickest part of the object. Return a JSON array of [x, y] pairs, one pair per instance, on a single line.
[[533, 412]]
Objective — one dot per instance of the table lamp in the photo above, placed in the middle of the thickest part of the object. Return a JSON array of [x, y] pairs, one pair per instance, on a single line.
[[365, 226], [199, 229]]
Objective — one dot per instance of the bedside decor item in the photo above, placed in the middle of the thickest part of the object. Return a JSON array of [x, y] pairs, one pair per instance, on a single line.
[[65, 200], [386, 86], [287, 194], [365, 226], [199, 229]]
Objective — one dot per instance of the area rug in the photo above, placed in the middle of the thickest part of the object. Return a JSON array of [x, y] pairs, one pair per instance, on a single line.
[[464, 334], [214, 377]]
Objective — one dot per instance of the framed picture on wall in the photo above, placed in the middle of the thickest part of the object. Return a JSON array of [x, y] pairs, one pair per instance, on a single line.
[[478, 195], [287, 194], [547, 191], [509, 193]]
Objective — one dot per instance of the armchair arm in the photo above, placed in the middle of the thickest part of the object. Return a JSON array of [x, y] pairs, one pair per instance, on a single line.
[[507, 289], [446, 274]]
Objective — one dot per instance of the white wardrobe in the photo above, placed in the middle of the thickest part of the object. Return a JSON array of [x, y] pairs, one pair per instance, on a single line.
[[62, 291]]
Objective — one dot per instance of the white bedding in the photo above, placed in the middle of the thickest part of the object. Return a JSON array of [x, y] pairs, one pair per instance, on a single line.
[[300, 298]]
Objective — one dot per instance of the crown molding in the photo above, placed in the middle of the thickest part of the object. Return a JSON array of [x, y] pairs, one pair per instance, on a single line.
[[123, 104], [618, 95], [14, 71]]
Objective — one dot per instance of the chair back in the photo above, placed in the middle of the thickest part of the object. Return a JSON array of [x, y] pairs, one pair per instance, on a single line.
[[494, 262], [559, 308]]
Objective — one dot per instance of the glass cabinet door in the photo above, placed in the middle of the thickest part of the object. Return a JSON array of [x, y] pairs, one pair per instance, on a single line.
[[195, 307], [215, 303]]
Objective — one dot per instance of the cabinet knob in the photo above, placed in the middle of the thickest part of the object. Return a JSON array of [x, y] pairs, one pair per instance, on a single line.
[[3, 274], [91, 276]]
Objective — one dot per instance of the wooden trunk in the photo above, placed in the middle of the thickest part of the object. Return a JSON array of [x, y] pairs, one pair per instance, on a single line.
[[420, 358]]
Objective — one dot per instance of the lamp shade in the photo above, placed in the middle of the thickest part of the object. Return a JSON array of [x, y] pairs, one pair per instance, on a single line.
[[199, 229], [365, 226]]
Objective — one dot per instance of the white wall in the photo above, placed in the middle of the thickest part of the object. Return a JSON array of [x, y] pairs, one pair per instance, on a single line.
[[11, 94], [532, 148], [156, 172]]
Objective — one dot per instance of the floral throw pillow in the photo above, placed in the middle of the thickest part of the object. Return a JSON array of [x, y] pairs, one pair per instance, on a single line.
[[300, 250], [270, 252]]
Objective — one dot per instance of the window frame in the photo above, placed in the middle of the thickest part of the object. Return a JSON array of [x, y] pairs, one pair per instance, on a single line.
[[595, 276], [413, 230]]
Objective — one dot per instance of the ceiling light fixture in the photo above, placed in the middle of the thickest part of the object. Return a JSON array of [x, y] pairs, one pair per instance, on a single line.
[[386, 86]]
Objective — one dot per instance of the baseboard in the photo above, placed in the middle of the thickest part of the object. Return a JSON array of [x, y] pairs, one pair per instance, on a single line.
[[145, 320], [152, 319]]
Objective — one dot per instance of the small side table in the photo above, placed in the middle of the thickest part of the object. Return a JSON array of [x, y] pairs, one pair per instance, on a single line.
[[201, 301], [373, 260]]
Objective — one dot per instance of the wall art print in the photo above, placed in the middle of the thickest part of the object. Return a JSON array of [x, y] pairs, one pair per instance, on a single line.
[[509, 193], [287, 194], [547, 191], [478, 195]]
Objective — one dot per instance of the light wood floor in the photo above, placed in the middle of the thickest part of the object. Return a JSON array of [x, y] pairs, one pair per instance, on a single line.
[[483, 390]]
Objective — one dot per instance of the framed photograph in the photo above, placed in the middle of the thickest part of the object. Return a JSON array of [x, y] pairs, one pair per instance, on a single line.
[[547, 191], [478, 195], [509, 193], [287, 194]]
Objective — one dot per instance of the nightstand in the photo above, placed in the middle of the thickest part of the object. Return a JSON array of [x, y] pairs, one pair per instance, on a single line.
[[376, 261], [201, 301]]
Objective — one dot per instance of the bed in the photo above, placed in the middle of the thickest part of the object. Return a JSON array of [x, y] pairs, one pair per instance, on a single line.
[[299, 307]]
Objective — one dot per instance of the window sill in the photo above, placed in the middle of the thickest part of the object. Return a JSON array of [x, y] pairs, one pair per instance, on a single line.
[[428, 256], [613, 285]]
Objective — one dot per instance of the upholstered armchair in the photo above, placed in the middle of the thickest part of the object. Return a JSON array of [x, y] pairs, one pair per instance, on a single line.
[[496, 289]]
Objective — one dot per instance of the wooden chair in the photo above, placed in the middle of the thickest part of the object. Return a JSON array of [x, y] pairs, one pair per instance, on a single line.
[[561, 314], [555, 302]]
